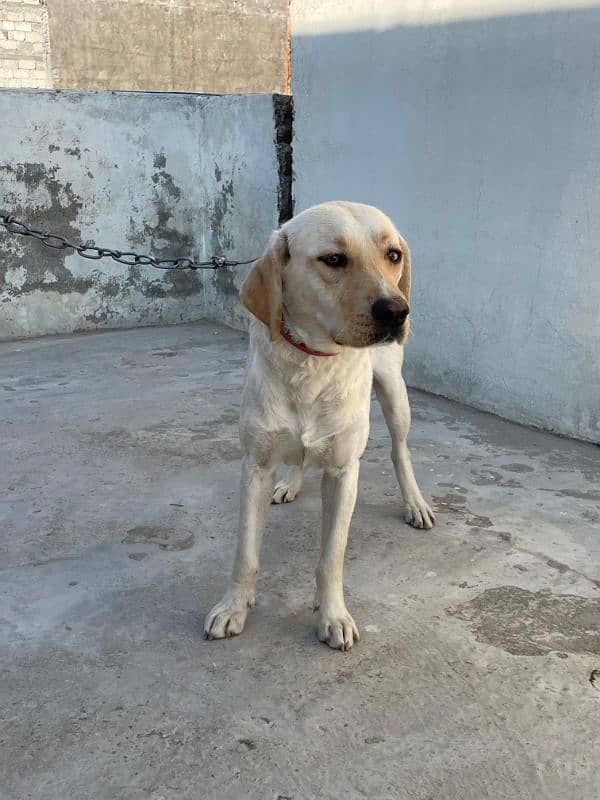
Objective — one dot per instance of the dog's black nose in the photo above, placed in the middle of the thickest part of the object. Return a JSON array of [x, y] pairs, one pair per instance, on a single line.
[[390, 311]]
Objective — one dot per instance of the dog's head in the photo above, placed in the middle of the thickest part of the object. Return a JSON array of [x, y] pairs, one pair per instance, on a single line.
[[340, 272]]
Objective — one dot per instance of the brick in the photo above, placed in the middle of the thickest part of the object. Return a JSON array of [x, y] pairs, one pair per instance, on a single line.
[[26, 64], [14, 16], [17, 36], [8, 45], [37, 47], [33, 16], [34, 36], [22, 26], [6, 25]]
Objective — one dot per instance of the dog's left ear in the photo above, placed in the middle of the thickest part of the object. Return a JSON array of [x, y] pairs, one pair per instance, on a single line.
[[262, 291], [404, 282]]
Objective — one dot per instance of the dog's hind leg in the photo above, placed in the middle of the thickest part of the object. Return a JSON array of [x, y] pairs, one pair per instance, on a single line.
[[391, 393], [289, 486], [228, 617]]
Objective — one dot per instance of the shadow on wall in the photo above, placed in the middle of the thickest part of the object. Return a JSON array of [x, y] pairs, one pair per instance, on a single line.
[[480, 139]]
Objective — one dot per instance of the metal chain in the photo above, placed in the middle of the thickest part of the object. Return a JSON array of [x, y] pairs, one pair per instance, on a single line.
[[130, 259]]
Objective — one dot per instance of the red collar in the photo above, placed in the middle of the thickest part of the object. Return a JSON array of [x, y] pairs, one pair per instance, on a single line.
[[300, 345]]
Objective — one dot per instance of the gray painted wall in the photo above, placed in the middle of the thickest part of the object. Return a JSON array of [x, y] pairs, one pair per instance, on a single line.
[[480, 137], [165, 174]]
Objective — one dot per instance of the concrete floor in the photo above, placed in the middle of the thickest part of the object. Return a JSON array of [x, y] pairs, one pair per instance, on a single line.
[[119, 504]]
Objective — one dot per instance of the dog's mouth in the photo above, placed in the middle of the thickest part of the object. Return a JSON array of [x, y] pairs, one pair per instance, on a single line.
[[389, 334], [385, 337], [368, 335], [376, 338]]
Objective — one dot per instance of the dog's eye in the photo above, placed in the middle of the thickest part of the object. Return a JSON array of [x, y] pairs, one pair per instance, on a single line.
[[334, 260], [395, 256]]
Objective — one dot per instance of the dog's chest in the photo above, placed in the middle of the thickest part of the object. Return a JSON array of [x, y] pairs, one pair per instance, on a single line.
[[317, 403], [296, 404]]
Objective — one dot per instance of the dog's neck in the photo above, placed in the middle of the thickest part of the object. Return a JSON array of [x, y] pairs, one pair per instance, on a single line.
[[307, 334], [299, 345]]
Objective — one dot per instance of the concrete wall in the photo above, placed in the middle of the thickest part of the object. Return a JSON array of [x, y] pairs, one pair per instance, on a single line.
[[475, 126], [157, 173], [24, 50], [153, 45]]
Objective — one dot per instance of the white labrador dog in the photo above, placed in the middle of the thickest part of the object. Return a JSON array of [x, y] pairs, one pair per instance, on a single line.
[[330, 304]]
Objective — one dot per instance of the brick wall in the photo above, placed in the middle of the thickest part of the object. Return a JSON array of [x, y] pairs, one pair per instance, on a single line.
[[24, 47]]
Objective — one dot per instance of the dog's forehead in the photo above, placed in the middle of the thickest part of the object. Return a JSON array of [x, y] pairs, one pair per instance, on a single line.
[[335, 225]]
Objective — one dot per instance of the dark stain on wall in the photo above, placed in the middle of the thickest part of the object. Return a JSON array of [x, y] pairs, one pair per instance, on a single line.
[[162, 179], [220, 234], [58, 214], [283, 113], [221, 237], [171, 236], [45, 269]]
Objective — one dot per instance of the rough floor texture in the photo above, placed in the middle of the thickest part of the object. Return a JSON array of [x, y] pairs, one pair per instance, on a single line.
[[119, 499]]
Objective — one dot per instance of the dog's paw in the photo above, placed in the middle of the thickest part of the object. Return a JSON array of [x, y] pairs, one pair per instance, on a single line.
[[284, 493], [227, 618], [418, 514], [337, 629], [288, 487]]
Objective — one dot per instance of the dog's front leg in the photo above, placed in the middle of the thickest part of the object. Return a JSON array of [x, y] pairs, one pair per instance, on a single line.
[[391, 393], [228, 617], [335, 625]]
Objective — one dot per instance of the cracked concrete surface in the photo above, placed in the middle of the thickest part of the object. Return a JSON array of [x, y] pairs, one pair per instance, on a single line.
[[474, 677]]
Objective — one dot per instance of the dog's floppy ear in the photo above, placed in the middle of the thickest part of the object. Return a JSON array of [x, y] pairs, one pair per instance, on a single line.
[[262, 292], [404, 282]]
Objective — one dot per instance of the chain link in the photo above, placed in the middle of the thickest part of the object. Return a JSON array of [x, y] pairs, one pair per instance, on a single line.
[[130, 259]]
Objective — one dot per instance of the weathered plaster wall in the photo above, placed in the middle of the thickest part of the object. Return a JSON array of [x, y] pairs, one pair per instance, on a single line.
[[147, 45], [165, 174], [475, 126]]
